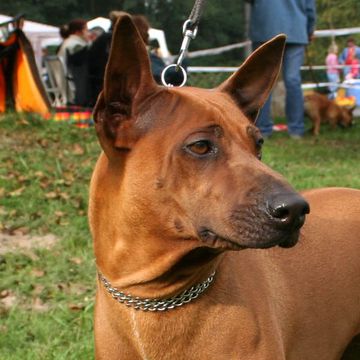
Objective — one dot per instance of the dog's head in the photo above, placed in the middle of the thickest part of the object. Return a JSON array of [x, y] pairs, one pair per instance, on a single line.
[[183, 165], [346, 117]]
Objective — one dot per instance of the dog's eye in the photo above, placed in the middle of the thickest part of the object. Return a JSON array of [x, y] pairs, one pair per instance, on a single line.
[[201, 147]]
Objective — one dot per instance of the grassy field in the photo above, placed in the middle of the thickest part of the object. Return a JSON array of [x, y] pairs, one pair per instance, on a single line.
[[47, 282]]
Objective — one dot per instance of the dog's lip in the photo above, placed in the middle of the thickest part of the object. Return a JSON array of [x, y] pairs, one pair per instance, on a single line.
[[216, 241]]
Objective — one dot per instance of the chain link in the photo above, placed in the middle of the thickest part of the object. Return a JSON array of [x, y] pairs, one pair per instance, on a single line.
[[157, 304]]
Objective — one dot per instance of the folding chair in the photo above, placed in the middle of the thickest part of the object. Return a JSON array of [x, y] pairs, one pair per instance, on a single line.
[[61, 87]]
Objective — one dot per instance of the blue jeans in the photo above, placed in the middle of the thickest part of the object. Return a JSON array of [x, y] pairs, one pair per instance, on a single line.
[[294, 101], [335, 79]]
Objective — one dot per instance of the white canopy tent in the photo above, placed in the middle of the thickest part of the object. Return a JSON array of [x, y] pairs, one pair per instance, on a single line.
[[40, 35]]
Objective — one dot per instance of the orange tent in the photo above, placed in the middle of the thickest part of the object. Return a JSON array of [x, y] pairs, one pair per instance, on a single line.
[[20, 83]]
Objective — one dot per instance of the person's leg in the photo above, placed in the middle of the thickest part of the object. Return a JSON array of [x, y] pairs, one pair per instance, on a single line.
[[294, 103], [334, 80], [264, 121]]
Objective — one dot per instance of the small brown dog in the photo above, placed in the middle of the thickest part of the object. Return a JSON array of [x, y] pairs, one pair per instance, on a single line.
[[320, 109]]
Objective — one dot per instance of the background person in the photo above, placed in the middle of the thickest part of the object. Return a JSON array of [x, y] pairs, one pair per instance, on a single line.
[[98, 57], [99, 54], [350, 56], [157, 63], [74, 52], [295, 18], [332, 70], [64, 34]]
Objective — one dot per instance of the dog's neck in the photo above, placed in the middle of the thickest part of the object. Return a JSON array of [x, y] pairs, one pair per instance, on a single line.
[[160, 277], [160, 264], [151, 275]]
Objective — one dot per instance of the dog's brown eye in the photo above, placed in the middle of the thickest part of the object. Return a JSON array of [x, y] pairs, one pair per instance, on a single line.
[[201, 147]]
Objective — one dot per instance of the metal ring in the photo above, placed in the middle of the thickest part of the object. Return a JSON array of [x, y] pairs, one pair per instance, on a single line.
[[185, 25], [175, 66]]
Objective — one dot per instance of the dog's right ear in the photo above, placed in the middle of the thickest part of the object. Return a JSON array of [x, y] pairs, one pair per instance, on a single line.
[[128, 83]]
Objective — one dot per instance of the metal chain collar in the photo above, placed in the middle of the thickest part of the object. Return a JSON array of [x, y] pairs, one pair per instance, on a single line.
[[157, 304]]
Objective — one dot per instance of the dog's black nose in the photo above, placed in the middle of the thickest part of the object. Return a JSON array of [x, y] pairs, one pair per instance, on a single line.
[[288, 210]]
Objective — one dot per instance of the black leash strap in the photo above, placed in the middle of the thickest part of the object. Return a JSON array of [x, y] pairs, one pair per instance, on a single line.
[[190, 29], [196, 13]]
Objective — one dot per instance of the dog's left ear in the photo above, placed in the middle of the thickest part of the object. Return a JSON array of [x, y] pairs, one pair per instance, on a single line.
[[128, 83], [251, 85]]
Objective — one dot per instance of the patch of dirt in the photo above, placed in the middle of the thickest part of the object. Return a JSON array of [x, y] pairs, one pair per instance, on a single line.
[[16, 243]]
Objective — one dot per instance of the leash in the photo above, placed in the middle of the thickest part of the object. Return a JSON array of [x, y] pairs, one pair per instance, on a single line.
[[190, 29]]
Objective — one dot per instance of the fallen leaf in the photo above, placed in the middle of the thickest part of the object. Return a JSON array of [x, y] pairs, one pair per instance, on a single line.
[[44, 143], [38, 289], [17, 192], [44, 183], [76, 307], [35, 215], [37, 272], [13, 213], [20, 231], [68, 176], [59, 182], [9, 163], [78, 149], [23, 121], [59, 214], [39, 174], [51, 195], [23, 179], [62, 222], [64, 196], [4, 293], [9, 301], [78, 289], [39, 305], [76, 260], [3, 329]]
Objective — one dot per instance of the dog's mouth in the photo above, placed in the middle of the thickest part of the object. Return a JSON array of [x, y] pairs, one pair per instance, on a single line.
[[214, 240]]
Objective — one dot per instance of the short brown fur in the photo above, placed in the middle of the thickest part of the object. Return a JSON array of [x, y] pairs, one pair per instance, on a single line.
[[179, 192], [320, 110]]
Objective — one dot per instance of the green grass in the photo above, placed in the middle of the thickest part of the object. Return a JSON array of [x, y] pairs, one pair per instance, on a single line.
[[332, 159], [44, 176]]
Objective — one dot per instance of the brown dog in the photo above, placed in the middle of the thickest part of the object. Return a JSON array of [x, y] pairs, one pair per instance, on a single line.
[[180, 193], [322, 110]]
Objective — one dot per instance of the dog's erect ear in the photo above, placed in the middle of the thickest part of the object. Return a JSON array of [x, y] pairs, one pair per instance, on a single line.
[[128, 83], [251, 85]]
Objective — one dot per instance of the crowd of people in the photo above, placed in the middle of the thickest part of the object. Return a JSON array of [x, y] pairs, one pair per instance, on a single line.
[[85, 53], [349, 57]]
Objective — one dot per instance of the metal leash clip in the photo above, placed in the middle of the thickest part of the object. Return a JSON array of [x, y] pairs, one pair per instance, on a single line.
[[189, 34]]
